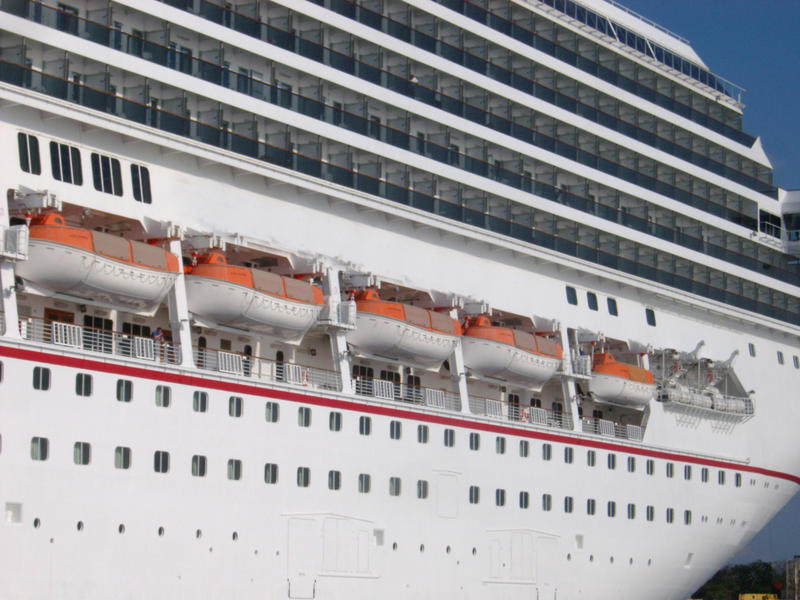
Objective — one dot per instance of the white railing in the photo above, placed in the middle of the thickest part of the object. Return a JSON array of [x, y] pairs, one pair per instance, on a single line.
[[701, 401], [612, 429], [501, 410], [66, 334], [144, 348], [231, 363], [413, 394]]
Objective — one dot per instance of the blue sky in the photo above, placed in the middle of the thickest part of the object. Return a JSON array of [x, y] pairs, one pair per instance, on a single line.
[[754, 44]]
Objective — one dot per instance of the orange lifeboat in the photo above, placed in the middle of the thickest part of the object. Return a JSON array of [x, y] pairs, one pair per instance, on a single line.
[[404, 332], [509, 354], [620, 383], [95, 266], [247, 298]]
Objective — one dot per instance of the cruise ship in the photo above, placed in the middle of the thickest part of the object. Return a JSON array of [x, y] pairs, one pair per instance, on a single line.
[[432, 299]]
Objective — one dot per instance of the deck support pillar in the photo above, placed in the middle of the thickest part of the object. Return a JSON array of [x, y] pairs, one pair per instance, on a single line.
[[339, 352], [179, 310], [459, 371], [8, 290], [567, 382]]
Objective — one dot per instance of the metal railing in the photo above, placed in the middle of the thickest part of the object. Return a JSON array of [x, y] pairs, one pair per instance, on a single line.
[[699, 401], [509, 411], [412, 394], [613, 429]]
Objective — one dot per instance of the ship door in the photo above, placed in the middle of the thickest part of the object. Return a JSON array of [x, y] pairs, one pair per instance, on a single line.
[[547, 567], [52, 315], [97, 334], [304, 550]]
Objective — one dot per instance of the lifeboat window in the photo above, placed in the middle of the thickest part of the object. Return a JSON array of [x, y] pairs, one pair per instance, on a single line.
[[234, 469], [780, 357], [572, 295], [591, 458], [335, 421], [591, 506], [612, 307], [474, 494], [40, 448], [631, 511], [704, 475], [106, 174], [303, 476], [364, 483], [122, 457], [524, 448], [474, 441], [650, 467], [304, 416], [670, 470], [650, 315], [751, 348], [199, 463], [395, 430], [272, 412], [547, 452], [140, 179], [394, 486], [547, 502], [612, 461], [124, 390], [161, 461], [568, 504], [422, 434], [365, 425], [524, 499], [163, 394], [670, 515], [500, 497], [200, 401], [500, 445], [41, 378], [687, 472], [650, 513], [591, 300], [422, 489], [449, 438], [29, 153], [738, 479], [235, 406], [687, 517], [721, 478], [270, 473], [611, 509], [65, 162], [569, 454], [631, 464], [82, 453], [334, 480]]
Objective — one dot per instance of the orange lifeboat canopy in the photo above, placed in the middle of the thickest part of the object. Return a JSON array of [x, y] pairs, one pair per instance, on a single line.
[[481, 327], [369, 301], [605, 364]]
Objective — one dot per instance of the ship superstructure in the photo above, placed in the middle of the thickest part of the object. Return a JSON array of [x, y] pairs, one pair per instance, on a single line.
[[331, 299]]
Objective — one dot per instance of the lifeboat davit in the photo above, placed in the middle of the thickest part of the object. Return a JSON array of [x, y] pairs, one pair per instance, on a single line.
[[620, 383], [508, 354], [95, 266], [407, 333], [246, 298]]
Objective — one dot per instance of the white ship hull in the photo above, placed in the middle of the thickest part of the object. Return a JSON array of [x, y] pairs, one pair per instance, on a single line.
[[502, 361]]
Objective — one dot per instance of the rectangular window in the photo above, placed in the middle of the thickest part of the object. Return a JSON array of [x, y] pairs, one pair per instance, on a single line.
[[198, 465], [365, 425], [670, 470], [751, 349], [631, 511], [270, 473], [474, 494], [524, 499], [591, 458], [687, 472], [524, 448], [474, 441], [422, 434], [612, 508], [612, 307], [303, 476], [449, 438], [547, 452], [650, 467], [650, 316], [83, 384], [364, 483], [235, 406], [200, 401], [500, 497], [780, 357], [65, 162], [140, 179], [569, 454], [81, 453], [40, 447], [687, 517], [670, 515], [650, 513], [163, 394], [161, 461], [395, 430], [572, 295], [304, 416], [122, 457], [124, 390], [41, 378], [568, 504], [591, 300], [721, 477], [334, 480], [29, 153], [394, 486], [631, 464], [738, 479], [500, 445], [272, 412], [234, 469], [704, 475], [612, 461], [335, 421], [106, 174], [422, 489], [547, 502], [591, 506]]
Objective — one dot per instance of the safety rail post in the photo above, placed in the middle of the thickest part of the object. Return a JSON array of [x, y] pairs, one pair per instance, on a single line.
[[179, 309], [567, 382], [458, 370], [339, 351]]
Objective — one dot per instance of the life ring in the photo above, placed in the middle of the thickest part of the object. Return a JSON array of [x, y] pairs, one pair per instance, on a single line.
[[525, 415], [304, 377], [710, 376]]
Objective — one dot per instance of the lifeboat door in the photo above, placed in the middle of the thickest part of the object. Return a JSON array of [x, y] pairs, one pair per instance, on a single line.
[[303, 557], [547, 567]]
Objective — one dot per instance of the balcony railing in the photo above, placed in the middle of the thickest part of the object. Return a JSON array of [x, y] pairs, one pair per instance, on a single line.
[[411, 394], [605, 427], [510, 411]]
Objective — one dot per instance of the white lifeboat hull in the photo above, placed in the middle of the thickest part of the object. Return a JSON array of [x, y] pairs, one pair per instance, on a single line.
[[242, 307], [619, 390], [58, 268], [386, 337], [503, 361]]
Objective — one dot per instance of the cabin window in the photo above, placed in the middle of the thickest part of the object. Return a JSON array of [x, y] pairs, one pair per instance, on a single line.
[[650, 513], [591, 506], [413, 391], [335, 421], [395, 430], [124, 390], [394, 486], [41, 378], [500, 445], [524, 499], [304, 416], [122, 457], [83, 384], [365, 425], [547, 502], [1, 370], [524, 448], [591, 300], [270, 473], [612, 461], [631, 511], [364, 483], [474, 494], [751, 349], [29, 153], [650, 466], [65, 162], [547, 452], [704, 475], [591, 458], [363, 377], [569, 454], [572, 295], [199, 465], [140, 180], [721, 478], [687, 517], [272, 412], [670, 470], [670, 515], [200, 401], [513, 407], [500, 497], [334, 480], [449, 438], [422, 489], [234, 469], [422, 434], [392, 377], [106, 174], [738, 480], [163, 394], [687, 472], [780, 357], [650, 316], [568, 504], [796, 362], [631, 464], [161, 461], [612, 306], [82, 453], [40, 447], [474, 441], [611, 509], [235, 406], [303, 476]]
